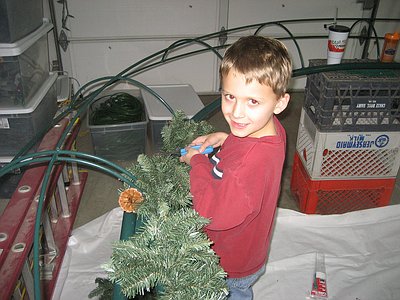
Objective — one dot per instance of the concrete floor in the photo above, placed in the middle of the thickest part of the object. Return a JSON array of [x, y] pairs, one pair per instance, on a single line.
[[101, 191]]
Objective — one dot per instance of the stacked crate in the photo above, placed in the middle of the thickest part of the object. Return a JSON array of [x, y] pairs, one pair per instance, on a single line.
[[347, 151]]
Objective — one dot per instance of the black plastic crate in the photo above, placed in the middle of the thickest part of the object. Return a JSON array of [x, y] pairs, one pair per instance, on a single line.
[[353, 100]]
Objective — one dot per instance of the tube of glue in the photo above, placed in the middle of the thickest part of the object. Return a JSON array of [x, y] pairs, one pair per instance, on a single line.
[[319, 288], [208, 150]]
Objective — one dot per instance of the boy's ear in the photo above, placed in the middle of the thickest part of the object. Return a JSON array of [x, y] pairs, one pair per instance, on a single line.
[[282, 104]]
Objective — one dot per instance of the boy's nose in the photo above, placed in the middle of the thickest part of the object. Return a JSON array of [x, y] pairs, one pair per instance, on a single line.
[[238, 110]]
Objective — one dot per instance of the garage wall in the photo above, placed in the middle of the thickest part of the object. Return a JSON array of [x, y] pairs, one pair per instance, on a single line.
[[105, 37]]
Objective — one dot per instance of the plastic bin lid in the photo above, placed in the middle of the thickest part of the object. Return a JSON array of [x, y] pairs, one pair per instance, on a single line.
[[5, 159], [63, 88], [17, 48], [178, 96], [36, 99]]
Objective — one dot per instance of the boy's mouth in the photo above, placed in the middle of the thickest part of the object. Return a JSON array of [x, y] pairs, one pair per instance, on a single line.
[[238, 125]]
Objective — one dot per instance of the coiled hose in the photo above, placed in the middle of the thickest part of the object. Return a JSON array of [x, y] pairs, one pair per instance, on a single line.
[[118, 108]]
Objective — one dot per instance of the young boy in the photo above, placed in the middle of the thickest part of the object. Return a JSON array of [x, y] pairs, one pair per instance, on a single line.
[[239, 186]]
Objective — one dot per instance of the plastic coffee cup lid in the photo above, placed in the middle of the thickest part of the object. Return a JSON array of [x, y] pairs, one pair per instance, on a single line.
[[339, 28]]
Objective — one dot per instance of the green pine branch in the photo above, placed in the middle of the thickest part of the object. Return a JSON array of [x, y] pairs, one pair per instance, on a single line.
[[163, 181], [172, 252], [103, 290], [182, 131]]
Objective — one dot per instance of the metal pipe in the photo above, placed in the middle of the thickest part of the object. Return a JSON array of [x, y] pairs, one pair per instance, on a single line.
[[128, 228], [55, 34], [370, 26]]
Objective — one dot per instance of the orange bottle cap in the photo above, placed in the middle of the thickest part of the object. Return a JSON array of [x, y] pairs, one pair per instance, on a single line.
[[392, 36]]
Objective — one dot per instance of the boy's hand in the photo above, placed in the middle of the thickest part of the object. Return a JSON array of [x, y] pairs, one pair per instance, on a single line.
[[215, 139], [190, 153]]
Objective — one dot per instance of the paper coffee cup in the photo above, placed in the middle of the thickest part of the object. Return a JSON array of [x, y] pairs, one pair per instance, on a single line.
[[337, 40]]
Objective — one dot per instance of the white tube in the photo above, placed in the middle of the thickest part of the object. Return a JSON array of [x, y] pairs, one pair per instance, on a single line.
[[319, 288]]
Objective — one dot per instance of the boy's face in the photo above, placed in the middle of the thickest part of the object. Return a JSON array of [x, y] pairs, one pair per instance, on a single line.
[[249, 107]]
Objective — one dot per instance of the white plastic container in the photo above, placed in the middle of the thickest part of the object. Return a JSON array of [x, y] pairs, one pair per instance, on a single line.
[[24, 68], [347, 155], [178, 97]]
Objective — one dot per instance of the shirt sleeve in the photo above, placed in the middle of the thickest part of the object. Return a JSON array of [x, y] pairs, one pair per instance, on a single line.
[[232, 200]]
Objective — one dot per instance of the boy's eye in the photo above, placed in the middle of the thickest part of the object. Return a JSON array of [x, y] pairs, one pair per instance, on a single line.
[[253, 102], [229, 97]]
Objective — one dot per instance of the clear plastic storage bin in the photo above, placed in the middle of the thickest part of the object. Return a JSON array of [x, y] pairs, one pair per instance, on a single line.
[[118, 141], [18, 18], [19, 125], [24, 67]]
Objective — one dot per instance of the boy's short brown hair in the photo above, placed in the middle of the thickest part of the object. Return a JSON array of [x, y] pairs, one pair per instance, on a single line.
[[259, 58]]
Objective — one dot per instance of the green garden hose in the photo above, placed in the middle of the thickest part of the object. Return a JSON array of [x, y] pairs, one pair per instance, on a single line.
[[119, 108]]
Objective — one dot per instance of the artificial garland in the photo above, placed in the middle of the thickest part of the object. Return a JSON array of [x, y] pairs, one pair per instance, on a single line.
[[170, 251]]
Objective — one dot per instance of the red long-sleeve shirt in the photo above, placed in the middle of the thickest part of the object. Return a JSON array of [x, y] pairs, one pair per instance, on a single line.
[[238, 190]]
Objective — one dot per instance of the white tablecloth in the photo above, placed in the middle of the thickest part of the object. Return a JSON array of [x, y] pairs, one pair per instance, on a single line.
[[362, 255]]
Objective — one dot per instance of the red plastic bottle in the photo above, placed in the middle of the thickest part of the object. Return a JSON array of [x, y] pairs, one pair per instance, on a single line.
[[389, 47]]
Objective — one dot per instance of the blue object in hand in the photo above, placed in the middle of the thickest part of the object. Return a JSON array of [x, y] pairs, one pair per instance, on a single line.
[[208, 150]]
